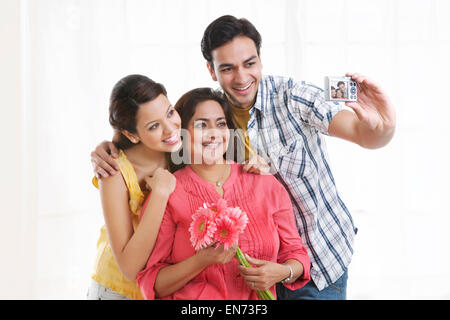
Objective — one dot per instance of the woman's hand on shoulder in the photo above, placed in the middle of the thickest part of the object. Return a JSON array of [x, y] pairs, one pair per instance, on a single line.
[[162, 181], [256, 164]]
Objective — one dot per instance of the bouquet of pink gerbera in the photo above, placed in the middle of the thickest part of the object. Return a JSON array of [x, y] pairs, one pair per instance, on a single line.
[[220, 224]]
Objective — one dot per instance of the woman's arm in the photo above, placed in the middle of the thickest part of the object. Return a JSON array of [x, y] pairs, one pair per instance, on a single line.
[[265, 273], [174, 277], [132, 248], [291, 252]]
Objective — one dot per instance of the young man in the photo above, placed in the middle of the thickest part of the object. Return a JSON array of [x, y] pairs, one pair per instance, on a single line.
[[283, 120], [341, 86]]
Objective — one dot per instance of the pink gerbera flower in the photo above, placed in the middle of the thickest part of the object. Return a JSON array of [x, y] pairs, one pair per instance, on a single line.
[[202, 228], [217, 223], [239, 218], [226, 231], [219, 208]]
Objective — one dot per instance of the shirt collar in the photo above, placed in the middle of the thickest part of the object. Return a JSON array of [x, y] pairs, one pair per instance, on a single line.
[[260, 101]]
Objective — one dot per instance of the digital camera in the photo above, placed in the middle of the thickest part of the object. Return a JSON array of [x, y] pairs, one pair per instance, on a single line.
[[340, 89]]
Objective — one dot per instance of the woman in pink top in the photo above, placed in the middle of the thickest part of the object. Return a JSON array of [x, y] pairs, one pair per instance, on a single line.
[[270, 241]]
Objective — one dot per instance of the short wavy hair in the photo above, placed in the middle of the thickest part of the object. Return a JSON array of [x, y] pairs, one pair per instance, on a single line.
[[223, 30]]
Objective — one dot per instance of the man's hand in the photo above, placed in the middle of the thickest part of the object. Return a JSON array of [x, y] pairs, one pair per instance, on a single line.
[[372, 125], [373, 106], [102, 159], [257, 165]]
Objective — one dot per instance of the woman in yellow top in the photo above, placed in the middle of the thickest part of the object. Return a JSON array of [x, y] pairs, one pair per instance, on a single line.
[[147, 129]]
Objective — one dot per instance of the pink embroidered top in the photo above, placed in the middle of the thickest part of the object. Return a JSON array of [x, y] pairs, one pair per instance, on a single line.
[[271, 234]]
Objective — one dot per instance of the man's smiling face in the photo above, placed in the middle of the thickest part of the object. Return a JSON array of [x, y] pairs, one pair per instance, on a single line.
[[237, 67]]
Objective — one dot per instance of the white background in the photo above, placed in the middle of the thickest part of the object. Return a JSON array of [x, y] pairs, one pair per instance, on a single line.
[[59, 60]]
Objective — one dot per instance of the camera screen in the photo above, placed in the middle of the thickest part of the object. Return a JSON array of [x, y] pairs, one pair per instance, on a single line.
[[338, 89]]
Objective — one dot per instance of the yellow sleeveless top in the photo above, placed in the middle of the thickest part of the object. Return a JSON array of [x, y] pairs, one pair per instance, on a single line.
[[107, 272]]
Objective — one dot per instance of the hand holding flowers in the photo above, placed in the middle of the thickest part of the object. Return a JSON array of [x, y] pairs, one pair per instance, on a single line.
[[216, 254], [220, 225], [217, 223]]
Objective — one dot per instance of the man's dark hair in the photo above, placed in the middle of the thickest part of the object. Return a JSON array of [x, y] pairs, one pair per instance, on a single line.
[[225, 29]]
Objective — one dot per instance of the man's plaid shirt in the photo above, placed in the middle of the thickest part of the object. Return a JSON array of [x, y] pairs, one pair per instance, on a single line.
[[286, 123]]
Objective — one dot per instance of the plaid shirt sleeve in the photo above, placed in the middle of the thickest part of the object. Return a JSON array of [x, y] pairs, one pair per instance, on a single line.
[[309, 101], [287, 120]]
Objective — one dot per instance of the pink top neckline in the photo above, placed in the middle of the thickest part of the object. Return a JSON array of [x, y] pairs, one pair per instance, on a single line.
[[234, 168]]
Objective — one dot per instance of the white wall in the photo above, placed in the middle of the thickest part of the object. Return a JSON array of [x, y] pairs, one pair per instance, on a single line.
[[17, 215], [60, 58]]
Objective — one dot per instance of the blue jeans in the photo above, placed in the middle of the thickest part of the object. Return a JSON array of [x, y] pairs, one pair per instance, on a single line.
[[335, 291]]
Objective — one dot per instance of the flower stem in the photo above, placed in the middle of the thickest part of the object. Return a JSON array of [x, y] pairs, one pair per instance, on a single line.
[[263, 295]]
